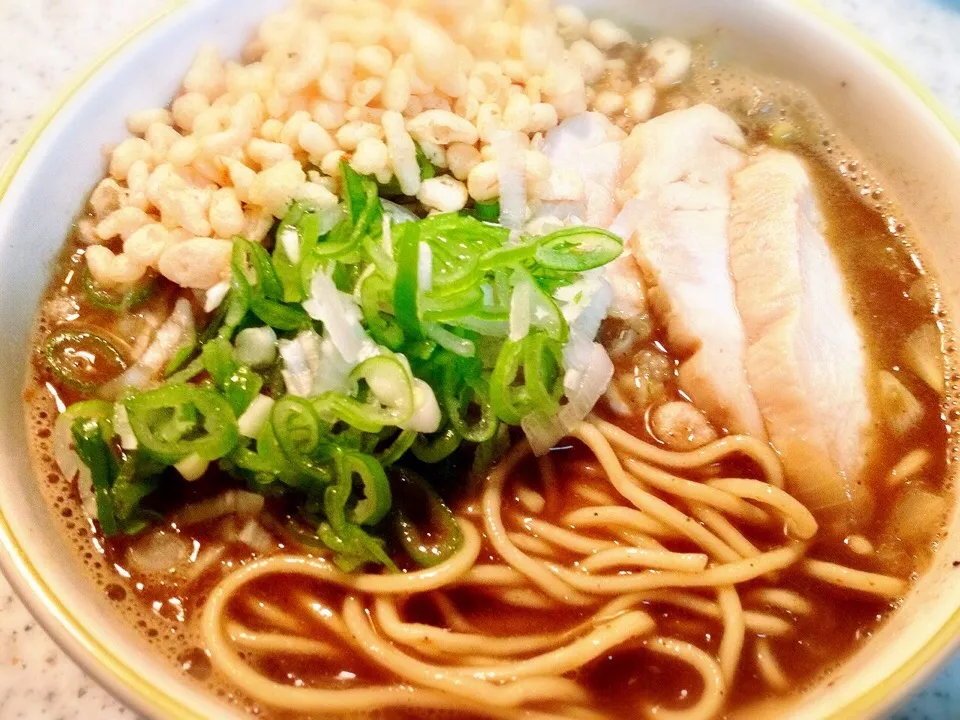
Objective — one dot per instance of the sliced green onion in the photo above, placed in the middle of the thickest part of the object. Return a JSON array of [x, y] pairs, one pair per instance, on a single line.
[[397, 448], [297, 430], [241, 388], [376, 303], [363, 218], [451, 307], [236, 305], [280, 316], [507, 255], [136, 479], [96, 455], [491, 323], [83, 359], [576, 249], [390, 388], [288, 272], [256, 347], [543, 372], [271, 459], [130, 299], [427, 170], [346, 538], [418, 505], [541, 360], [157, 419], [487, 211], [545, 314], [490, 451], [450, 341], [508, 400], [180, 357], [303, 220], [466, 400], [267, 279], [375, 502], [406, 294], [186, 374], [255, 285], [436, 446], [217, 356]]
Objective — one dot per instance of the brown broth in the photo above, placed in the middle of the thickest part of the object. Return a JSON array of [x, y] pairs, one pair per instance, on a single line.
[[891, 295]]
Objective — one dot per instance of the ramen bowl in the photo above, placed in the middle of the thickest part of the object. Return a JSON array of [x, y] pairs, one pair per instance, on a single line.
[[896, 126]]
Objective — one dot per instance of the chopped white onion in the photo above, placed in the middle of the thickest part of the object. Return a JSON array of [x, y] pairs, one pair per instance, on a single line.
[[297, 373], [192, 467], [585, 157], [424, 268], [448, 341], [239, 502], [328, 217], [215, 296], [568, 143], [511, 174], [253, 419], [520, 310], [390, 383], [340, 317], [255, 537], [256, 346], [122, 427], [488, 299], [426, 409], [313, 365], [398, 213], [63, 452], [289, 240], [386, 235], [585, 303], [205, 559], [584, 384], [176, 331], [158, 551], [88, 501]]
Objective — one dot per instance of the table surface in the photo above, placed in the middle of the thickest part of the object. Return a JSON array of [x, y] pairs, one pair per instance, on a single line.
[[47, 41]]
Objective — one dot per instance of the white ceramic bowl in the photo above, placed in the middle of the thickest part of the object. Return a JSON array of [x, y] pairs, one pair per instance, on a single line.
[[892, 121]]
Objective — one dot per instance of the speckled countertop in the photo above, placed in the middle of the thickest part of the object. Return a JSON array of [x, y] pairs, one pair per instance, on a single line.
[[46, 41]]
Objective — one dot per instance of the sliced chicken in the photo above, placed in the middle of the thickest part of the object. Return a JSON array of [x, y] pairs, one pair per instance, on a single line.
[[676, 172], [584, 153], [805, 357]]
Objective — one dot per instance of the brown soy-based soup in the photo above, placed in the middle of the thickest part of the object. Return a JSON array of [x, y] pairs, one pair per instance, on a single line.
[[892, 295]]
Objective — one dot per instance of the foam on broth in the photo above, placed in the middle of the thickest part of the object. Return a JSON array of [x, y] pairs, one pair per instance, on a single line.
[[892, 292]]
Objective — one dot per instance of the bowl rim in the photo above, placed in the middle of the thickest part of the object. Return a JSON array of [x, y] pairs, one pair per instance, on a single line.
[[95, 657]]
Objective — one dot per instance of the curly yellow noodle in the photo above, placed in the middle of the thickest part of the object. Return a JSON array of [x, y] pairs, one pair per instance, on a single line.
[[705, 493], [734, 632], [769, 667], [714, 689], [606, 570], [725, 530], [566, 539], [758, 451]]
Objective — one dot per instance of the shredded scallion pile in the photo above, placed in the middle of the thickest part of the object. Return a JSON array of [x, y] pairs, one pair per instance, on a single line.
[[367, 344]]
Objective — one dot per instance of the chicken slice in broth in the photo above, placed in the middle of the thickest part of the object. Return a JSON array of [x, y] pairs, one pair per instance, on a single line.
[[676, 194], [805, 358]]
